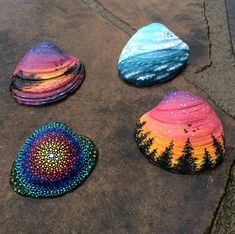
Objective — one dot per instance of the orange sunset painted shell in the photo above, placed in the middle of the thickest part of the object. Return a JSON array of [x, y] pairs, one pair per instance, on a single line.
[[182, 134], [45, 75]]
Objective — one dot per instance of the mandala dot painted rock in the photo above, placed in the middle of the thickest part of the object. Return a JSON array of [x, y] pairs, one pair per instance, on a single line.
[[53, 160], [153, 55], [182, 134], [46, 74]]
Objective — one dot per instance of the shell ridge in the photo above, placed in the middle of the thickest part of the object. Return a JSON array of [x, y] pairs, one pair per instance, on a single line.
[[197, 139], [46, 74]]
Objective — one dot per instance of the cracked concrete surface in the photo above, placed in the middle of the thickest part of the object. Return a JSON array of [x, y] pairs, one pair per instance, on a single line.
[[185, 19], [215, 77], [224, 220], [125, 193], [217, 80], [231, 18], [97, 7]]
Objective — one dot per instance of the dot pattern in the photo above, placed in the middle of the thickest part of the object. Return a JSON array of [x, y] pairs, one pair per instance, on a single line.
[[53, 161]]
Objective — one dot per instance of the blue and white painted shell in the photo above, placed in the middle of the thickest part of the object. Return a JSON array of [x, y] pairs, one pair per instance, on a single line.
[[153, 55]]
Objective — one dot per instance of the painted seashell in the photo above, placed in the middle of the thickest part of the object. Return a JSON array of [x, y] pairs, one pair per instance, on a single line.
[[52, 161], [153, 55], [46, 74], [182, 134]]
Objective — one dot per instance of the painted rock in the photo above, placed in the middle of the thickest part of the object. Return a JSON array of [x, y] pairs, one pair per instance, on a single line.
[[52, 161], [153, 55], [46, 74], [182, 134]]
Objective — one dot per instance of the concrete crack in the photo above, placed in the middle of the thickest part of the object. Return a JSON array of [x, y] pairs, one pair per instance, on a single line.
[[203, 68], [101, 10], [231, 43], [209, 230], [217, 79], [209, 97], [214, 78]]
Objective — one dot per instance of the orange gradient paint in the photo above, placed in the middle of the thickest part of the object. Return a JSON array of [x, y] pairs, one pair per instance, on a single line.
[[178, 117]]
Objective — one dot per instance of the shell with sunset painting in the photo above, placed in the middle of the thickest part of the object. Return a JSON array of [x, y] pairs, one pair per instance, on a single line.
[[182, 134], [46, 74]]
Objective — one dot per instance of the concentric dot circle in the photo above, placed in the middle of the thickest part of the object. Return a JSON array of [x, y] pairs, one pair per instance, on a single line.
[[52, 161]]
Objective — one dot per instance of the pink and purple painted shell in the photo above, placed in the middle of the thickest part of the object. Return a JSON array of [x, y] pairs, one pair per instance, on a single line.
[[46, 74], [182, 134]]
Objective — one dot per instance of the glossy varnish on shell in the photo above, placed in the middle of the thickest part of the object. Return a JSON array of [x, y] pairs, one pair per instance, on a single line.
[[182, 133], [153, 55], [53, 161], [46, 74]]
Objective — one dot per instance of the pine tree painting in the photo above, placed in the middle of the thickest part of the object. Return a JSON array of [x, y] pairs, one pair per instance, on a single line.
[[219, 150], [153, 156], [186, 162], [139, 126], [189, 122], [139, 135], [207, 163], [166, 156], [145, 146], [144, 143]]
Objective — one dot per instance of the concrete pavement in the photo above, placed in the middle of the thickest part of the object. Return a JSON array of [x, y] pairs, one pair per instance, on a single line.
[[125, 193]]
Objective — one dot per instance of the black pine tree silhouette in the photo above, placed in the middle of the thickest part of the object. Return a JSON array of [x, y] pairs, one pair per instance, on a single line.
[[219, 150], [186, 163], [139, 135], [144, 143], [139, 126], [207, 163], [152, 155], [140, 138], [145, 146], [166, 156]]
